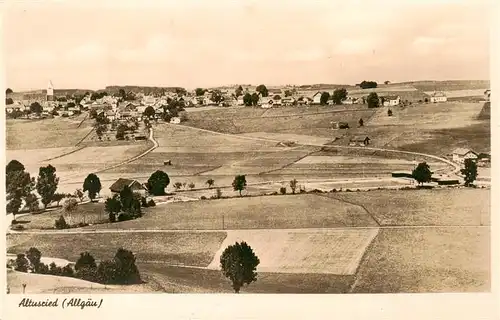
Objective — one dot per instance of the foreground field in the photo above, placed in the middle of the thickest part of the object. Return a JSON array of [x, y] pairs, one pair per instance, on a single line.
[[47, 284], [427, 260], [273, 212], [303, 251], [180, 248]]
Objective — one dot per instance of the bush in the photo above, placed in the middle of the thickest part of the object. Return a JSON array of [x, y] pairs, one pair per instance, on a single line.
[[61, 223], [112, 217], [218, 193], [283, 190], [151, 203], [333, 190], [203, 198], [124, 217], [144, 202]]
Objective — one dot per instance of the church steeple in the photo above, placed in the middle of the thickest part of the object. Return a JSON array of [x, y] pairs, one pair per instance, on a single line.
[[50, 91]]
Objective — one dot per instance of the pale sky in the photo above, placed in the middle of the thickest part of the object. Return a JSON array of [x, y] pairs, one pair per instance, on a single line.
[[90, 45]]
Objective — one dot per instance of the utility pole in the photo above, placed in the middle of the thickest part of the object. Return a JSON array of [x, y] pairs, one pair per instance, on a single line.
[[222, 221]]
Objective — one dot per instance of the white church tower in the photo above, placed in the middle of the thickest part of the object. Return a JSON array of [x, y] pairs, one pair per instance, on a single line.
[[50, 91]]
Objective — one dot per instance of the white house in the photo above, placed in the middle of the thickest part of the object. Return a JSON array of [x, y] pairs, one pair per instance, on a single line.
[[317, 98], [348, 100], [460, 154], [266, 102], [438, 96], [175, 120], [391, 101]]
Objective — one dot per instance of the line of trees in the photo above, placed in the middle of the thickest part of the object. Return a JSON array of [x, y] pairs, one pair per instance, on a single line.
[[121, 269]]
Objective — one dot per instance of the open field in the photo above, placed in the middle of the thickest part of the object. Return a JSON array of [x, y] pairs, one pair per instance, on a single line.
[[48, 284], [462, 93], [193, 280], [274, 212], [426, 260], [293, 251], [46, 133], [180, 248], [297, 138], [448, 85], [85, 213], [431, 115], [285, 118], [466, 207]]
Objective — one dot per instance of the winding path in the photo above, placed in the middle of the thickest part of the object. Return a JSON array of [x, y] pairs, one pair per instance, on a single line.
[[456, 167]]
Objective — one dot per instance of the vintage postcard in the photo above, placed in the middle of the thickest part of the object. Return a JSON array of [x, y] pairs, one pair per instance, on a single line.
[[254, 147]]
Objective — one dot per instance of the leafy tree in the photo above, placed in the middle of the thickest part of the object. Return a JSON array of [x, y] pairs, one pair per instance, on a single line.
[[100, 129], [79, 194], [387, 82], [92, 185], [67, 271], [22, 264], [255, 99], [93, 114], [368, 84], [283, 190], [239, 263], [247, 99], [57, 197], [122, 94], [373, 100], [19, 185], [126, 198], [361, 122], [239, 183], [389, 113], [9, 101], [106, 272], [422, 173], [262, 90], [277, 97], [217, 96], [69, 206], [35, 107], [120, 132], [293, 185], [61, 223], [178, 185], [469, 171], [324, 98], [126, 270], [218, 193], [239, 91], [46, 184], [14, 165], [113, 205], [32, 202], [210, 183], [191, 185], [34, 256], [199, 92], [149, 112], [288, 93], [86, 260], [157, 183], [339, 95], [8, 91]]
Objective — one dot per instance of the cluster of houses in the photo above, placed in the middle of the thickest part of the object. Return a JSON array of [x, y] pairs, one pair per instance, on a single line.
[[459, 156]]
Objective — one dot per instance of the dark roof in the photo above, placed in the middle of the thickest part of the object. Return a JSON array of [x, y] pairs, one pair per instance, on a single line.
[[121, 183]]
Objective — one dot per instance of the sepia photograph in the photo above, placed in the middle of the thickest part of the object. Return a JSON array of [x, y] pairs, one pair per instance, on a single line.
[[246, 147]]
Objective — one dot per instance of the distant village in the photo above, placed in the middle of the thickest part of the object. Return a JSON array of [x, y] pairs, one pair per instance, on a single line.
[[117, 103]]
